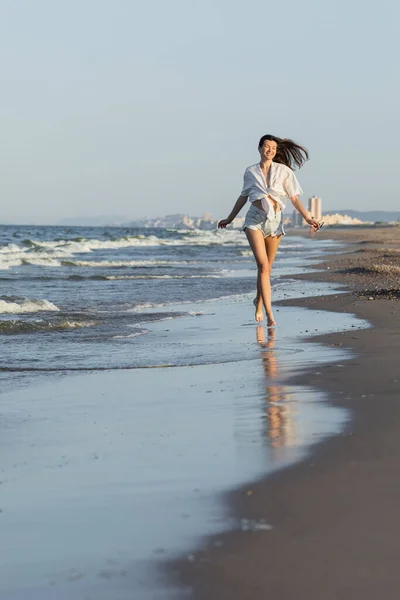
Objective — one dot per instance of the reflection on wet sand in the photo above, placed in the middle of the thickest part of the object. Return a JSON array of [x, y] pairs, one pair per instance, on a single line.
[[280, 421]]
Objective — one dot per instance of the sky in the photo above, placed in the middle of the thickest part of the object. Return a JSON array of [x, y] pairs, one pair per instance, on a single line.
[[137, 109]]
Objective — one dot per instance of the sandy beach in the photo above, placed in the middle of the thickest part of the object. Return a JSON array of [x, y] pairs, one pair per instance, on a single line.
[[333, 517]]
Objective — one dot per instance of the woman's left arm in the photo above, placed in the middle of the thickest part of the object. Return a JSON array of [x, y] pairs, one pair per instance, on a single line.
[[297, 203]]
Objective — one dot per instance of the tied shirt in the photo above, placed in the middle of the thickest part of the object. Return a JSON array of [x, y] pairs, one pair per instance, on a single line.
[[282, 183]]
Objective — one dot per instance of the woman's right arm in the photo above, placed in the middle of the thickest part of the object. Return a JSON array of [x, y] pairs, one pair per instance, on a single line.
[[240, 202]]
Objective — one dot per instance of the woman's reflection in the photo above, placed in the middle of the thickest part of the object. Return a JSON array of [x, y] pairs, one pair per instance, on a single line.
[[280, 416]]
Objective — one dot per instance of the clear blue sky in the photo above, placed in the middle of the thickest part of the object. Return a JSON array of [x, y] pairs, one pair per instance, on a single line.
[[128, 108]]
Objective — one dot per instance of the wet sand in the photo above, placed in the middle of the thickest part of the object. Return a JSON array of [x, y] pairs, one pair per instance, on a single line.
[[333, 519]]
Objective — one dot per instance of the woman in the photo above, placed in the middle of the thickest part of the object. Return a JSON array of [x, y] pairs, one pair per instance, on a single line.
[[266, 185]]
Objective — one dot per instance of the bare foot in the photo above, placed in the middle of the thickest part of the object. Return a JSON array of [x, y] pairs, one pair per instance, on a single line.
[[271, 321], [259, 312]]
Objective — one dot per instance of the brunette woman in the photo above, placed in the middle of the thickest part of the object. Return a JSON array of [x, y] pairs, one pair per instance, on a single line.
[[266, 185]]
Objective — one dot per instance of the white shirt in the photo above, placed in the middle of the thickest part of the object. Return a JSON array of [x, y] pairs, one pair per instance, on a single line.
[[283, 183]]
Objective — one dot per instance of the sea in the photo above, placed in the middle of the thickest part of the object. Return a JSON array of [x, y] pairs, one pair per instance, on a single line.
[[80, 298]]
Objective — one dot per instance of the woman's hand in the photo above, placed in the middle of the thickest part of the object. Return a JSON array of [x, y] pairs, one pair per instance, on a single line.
[[316, 225], [223, 223]]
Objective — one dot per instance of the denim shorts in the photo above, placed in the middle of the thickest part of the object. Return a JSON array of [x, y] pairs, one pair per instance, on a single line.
[[257, 219]]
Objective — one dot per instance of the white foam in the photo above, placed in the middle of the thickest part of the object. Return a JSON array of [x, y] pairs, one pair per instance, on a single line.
[[144, 305], [42, 262], [148, 305], [130, 335], [77, 324], [122, 263], [121, 277], [8, 263], [51, 259], [20, 256], [40, 325], [195, 237], [46, 253], [10, 249], [25, 305]]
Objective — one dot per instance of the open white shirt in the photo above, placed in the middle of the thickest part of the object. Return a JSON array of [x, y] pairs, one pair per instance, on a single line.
[[283, 183]]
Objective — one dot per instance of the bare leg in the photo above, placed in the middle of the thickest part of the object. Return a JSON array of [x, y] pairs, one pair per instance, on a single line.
[[257, 244], [271, 247], [258, 303]]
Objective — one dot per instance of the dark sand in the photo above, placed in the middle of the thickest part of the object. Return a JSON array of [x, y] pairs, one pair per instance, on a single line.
[[335, 517]]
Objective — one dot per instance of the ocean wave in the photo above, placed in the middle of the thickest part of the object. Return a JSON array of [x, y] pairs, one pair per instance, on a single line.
[[41, 262], [131, 335], [15, 251], [195, 237], [17, 305], [143, 305], [53, 253], [16, 327], [10, 249], [8, 263], [22, 257], [124, 263], [44, 259], [122, 277], [149, 305], [99, 277]]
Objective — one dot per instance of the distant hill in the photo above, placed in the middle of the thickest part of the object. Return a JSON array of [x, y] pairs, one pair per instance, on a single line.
[[367, 215]]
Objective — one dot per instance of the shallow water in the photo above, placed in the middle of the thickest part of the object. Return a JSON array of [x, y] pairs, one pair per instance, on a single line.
[[82, 298], [105, 474]]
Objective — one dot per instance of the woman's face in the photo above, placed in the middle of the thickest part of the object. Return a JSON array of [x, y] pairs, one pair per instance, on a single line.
[[268, 150]]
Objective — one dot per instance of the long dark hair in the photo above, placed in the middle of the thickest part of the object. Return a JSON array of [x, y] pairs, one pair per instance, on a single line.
[[288, 152]]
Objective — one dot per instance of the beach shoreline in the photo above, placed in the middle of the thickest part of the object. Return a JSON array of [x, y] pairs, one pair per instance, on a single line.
[[115, 464], [118, 473], [333, 516], [106, 474]]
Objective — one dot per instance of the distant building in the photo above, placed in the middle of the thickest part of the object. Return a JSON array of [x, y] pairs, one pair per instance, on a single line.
[[297, 219], [186, 221], [338, 219], [315, 207]]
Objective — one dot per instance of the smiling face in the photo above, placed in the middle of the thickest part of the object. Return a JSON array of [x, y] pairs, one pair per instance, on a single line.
[[268, 150]]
